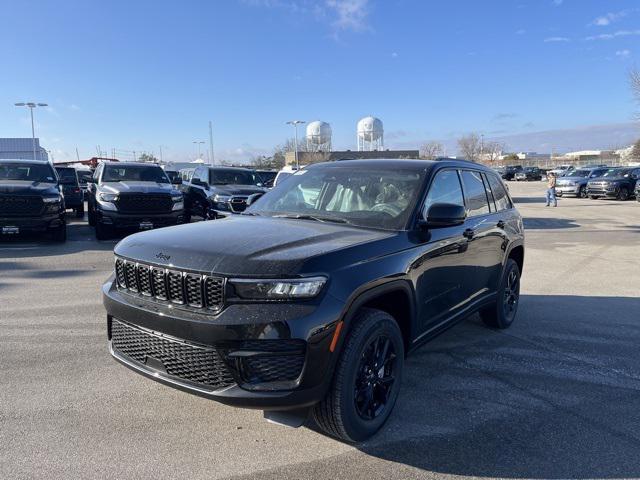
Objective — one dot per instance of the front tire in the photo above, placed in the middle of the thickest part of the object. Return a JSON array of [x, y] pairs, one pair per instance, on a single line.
[[366, 379], [59, 235], [502, 312], [623, 194], [103, 232], [583, 192]]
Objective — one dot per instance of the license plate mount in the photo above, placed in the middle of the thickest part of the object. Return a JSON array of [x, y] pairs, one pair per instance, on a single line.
[[146, 225], [10, 230]]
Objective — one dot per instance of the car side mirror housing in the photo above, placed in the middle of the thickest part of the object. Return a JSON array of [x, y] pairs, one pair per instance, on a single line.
[[196, 181], [442, 215]]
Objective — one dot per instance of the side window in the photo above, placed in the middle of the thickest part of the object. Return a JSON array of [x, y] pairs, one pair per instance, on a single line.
[[474, 193], [499, 193], [487, 187], [445, 188]]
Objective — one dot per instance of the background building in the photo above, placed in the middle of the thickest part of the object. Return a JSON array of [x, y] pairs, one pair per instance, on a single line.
[[306, 158], [21, 149]]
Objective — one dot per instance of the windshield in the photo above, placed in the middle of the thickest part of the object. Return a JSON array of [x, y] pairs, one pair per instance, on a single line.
[[28, 172], [615, 172], [580, 173], [134, 173], [267, 177], [173, 175], [67, 176], [375, 198], [233, 177], [84, 176]]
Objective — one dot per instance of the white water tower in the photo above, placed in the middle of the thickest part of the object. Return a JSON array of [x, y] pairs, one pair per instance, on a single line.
[[370, 134], [318, 136]]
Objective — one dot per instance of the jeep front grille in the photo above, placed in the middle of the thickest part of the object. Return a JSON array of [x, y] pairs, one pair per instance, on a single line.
[[188, 362], [238, 204], [172, 286]]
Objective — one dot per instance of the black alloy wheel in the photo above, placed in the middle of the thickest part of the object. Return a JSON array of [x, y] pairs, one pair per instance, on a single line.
[[511, 295], [502, 312], [375, 378]]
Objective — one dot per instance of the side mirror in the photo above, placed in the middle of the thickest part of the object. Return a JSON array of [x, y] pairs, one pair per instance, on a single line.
[[196, 181], [442, 215]]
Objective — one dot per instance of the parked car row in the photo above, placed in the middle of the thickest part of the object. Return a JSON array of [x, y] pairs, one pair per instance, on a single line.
[[619, 183]]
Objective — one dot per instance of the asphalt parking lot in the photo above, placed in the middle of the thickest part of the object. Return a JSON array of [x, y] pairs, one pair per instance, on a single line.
[[555, 396]]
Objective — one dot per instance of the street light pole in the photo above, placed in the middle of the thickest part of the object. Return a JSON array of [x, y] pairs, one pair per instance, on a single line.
[[31, 106], [295, 124], [198, 143]]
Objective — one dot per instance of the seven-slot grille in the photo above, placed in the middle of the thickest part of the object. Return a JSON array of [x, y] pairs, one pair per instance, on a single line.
[[238, 204], [189, 362], [20, 205], [181, 288], [144, 203]]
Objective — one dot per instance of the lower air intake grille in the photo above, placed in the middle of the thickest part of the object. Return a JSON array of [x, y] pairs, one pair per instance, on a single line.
[[188, 362]]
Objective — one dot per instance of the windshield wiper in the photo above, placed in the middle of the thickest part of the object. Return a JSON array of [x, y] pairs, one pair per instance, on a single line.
[[312, 217]]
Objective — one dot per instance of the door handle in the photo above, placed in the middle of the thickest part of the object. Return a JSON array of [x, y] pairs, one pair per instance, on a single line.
[[468, 233], [500, 224]]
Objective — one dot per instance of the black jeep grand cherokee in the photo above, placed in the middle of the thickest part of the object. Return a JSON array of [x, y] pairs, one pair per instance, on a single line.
[[132, 195], [311, 299], [30, 199]]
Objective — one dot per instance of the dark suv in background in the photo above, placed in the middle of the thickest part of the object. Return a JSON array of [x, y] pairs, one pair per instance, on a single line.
[[71, 189], [528, 174], [31, 200], [134, 196], [216, 192], [618, 183], [310, 300]]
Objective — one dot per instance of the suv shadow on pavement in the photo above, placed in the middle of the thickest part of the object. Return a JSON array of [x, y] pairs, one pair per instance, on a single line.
[[557, 396], [541, 223]]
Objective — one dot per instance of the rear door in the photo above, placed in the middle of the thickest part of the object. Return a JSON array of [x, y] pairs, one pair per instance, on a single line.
[[484, 231]]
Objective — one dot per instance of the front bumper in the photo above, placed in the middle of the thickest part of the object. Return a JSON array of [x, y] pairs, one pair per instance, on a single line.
[[602, 192], [122, 220], [34, 224], [271, 356], [568, 189]]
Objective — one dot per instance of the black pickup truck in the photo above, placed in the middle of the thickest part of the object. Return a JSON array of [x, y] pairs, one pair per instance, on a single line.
[[216, 192], [31, 200], [135, 196], [71, 189]]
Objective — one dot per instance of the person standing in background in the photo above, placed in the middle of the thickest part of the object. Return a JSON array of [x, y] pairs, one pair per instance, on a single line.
[[551, 189]]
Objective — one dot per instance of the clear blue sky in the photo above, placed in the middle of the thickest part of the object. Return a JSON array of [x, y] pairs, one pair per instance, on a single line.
[[138, 74]]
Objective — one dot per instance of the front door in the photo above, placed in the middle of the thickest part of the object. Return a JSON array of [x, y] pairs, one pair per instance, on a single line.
[[441, 266]]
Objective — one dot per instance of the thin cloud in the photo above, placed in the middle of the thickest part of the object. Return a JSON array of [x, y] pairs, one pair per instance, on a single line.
[[611, 36], [350, 14], [623, 53], [556, 39], [611, 17], [557, 3], [521, 31]]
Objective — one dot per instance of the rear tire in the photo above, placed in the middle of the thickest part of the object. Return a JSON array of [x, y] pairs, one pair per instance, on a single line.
[[80, 211], [593, 197], [91, 217], [366, 380], [502, 312]]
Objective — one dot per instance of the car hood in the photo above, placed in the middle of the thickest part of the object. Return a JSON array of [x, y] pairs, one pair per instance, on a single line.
[[607, 179], [135, 187], [23, 187], [245, 245], [574, 179], [237, 189]]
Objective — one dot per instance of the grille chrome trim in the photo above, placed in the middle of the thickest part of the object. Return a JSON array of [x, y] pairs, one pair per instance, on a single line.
[[182, 289]]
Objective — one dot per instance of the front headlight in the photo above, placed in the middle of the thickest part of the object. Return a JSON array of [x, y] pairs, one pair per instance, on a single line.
[[176, 197], [108, 197], [278, 289], [52, 199], [221, 198]]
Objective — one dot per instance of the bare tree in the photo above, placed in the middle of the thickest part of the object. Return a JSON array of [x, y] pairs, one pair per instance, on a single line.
[[431, 150], [635, 152], [634, 80], [491, 152], [470, 147]]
